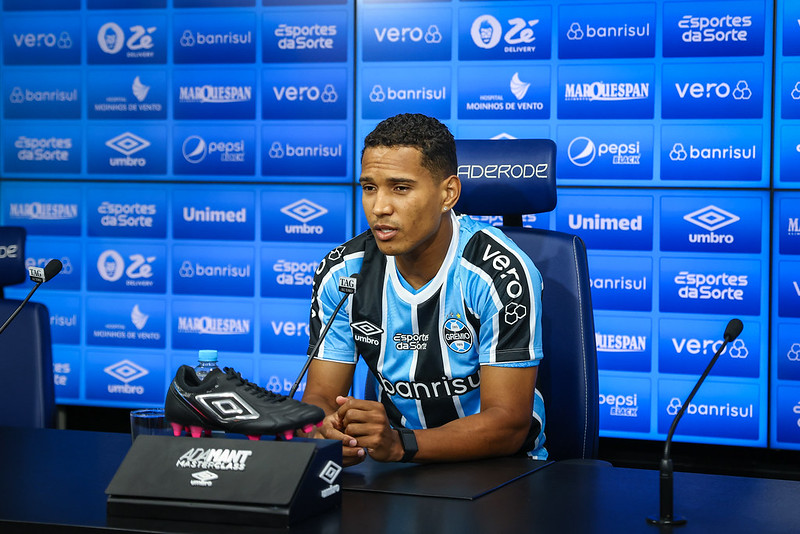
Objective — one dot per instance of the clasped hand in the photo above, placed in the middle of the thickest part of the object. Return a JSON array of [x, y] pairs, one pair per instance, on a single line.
[[363, 428]]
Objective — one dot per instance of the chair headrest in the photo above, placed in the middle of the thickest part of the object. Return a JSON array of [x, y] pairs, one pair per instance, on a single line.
[[506, 176], [12, 255]]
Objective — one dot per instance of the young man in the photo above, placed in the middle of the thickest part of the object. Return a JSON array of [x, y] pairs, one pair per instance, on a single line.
[[446, 316]]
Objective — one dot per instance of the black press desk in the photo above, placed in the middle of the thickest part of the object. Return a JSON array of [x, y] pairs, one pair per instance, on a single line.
[[54, 480]]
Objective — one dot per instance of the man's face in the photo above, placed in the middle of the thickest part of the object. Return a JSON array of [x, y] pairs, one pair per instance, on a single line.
[[402, 201]]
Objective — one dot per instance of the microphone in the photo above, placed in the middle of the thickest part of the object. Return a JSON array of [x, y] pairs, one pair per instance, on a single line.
[[40, 276], [347, 285], [666, 518]]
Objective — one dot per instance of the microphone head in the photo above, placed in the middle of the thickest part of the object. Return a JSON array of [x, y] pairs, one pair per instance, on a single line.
[[347, 284], [733, 330], [52, 268]]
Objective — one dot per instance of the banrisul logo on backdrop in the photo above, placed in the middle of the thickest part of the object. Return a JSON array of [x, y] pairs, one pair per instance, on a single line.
[[711, 223], [606, 92], [696, 29], [223, 38], [127, 39], [710, 286], [227, 324], [42, 148], [128, 94], [37, 40], [621, 282], [126, 322], [204, 94], [287, 272], [625, 404], [40, 95], [504, 93], [606, 31], [317, 36], [124, 376], [517, 32], [720, 409], [685, 347], [713, 91], [623, 343], [407, 34], [229, 150], [66, 315], [605, 152], [127, 268], [608, 222], [305, 94], [199, 270], [284, 327], [295, 151], [52, 210], [789, 225], [127, 213], [712, 153], [213, 214], [386, 92], [317, 215], [136, 150]]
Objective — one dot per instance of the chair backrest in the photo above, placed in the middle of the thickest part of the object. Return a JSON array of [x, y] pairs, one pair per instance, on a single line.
[[26, 361], [516, 177]]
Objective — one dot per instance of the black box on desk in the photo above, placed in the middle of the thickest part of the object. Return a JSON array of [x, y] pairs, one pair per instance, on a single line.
[[234, 481]]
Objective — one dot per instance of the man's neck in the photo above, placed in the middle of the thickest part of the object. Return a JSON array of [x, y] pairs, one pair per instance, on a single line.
[[420, 267]]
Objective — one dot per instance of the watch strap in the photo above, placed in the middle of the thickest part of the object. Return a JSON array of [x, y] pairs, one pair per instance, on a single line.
[[409, 442]]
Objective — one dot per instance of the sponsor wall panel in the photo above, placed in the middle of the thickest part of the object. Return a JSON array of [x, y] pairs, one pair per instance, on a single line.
[[225, 136]]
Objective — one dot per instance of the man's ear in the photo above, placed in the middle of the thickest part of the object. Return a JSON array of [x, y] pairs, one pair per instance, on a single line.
[[451, 191]]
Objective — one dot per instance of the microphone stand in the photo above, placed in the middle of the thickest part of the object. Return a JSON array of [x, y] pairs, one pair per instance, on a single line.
[[665, 487]]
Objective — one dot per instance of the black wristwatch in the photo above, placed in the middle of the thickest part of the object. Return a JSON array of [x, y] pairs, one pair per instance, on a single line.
[[409, 442]]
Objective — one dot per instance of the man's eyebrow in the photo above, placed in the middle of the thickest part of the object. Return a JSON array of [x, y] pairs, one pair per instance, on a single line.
[[393, 180]]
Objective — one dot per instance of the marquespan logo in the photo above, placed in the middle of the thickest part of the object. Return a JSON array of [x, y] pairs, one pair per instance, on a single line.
[[711, 218], [126, 371], [215, 326], [42, 211], [457, 336], [304, 210], [794, 227], [606, 91], [227, 406]]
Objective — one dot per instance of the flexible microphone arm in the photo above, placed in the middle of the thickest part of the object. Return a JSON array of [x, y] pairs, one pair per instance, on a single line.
[[666, 517], [39, 276], [348, 288]]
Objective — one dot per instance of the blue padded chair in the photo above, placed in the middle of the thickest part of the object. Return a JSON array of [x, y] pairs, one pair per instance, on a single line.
[[516, 177], [26, 360]]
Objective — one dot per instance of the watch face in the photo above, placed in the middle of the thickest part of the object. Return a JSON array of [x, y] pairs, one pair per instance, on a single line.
[[409, 442]]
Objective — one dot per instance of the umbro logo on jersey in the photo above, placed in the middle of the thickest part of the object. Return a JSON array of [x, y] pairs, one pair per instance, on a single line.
[[365, 331], [227, 406]]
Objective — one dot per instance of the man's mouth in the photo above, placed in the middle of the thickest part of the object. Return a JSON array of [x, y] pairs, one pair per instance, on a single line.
[[384, 232]]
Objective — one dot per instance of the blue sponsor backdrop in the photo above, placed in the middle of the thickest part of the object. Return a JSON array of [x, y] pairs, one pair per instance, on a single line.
[[226, 134]]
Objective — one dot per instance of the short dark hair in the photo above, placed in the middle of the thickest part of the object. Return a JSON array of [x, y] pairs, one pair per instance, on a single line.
[[427, 134]]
